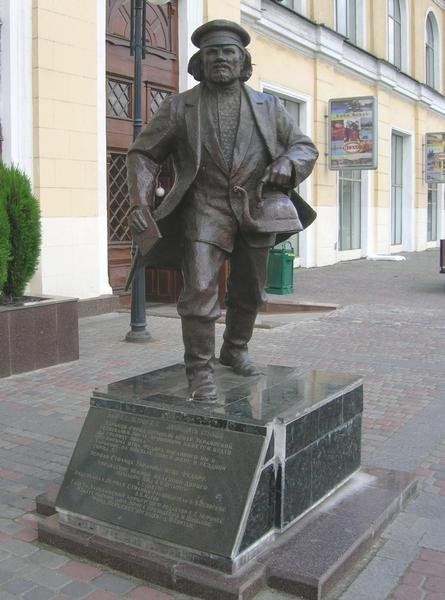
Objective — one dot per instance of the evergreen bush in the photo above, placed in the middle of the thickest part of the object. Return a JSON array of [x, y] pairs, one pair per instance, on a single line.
[[23, 217], [4, 234]]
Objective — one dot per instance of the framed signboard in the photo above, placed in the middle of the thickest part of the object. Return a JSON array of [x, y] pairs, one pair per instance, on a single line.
[[435, 157], [352, 134]]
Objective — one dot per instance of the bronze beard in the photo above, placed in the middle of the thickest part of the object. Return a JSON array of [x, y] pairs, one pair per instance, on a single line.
[[196, 69]]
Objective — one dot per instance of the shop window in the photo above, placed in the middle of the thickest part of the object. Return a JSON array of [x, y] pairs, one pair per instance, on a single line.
[[396, 188], [431, 51], [350, 209], [431, 235]]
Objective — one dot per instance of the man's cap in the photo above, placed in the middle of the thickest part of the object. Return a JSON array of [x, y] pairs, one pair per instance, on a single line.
[[220, 32]]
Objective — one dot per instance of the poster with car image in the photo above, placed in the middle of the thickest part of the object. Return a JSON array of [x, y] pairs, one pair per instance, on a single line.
[[352, 133], [435, 157]]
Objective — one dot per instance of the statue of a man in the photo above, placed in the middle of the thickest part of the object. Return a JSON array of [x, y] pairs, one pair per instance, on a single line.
[[222, 136]]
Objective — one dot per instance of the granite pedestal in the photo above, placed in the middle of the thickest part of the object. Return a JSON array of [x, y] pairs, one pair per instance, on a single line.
[[210, 483], [219, 500]]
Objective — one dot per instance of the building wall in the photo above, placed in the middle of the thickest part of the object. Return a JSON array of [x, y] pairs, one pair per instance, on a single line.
[[52, 109], [316, 63], [67, 128]]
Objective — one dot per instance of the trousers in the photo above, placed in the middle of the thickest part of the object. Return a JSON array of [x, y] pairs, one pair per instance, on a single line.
[[198, 304]]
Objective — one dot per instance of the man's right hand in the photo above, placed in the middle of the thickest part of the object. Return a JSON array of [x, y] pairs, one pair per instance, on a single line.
[[137, 220]]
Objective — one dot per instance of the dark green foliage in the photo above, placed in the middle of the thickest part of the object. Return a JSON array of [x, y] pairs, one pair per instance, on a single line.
[[23, 217], [4, 237]]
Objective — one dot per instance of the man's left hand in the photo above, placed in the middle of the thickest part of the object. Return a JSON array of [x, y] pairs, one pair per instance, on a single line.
[[279, 173]]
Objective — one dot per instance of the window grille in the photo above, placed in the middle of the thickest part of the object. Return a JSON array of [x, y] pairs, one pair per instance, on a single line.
[[118, 200], [157, 96], [118, 99]]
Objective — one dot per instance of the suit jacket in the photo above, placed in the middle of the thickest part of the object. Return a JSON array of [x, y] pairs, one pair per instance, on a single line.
[[175, 132]]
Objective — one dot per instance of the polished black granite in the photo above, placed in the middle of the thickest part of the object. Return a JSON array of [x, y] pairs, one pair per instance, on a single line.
[[262, 512], [213, 479], [176, 481], [283, 393]]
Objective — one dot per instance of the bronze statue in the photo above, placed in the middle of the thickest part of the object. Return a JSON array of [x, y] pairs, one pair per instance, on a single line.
[[237, 156]]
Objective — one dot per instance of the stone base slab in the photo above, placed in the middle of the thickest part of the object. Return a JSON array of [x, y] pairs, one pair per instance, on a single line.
[[308, 560]]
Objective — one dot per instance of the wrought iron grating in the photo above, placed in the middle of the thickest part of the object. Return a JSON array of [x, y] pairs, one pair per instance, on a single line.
[[118, 200], [157, 96], [118, 99]]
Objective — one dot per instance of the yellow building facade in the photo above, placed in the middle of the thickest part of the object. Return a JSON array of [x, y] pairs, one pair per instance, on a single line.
[[53, 110]]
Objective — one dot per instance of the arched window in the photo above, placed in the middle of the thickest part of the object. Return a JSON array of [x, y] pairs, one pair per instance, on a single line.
[[431, 51], [395, 33]]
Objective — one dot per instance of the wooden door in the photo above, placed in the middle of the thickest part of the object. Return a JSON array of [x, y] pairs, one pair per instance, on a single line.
[[159, 79]]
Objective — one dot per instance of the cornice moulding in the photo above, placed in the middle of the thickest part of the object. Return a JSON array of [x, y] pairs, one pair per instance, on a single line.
[[318, 41]]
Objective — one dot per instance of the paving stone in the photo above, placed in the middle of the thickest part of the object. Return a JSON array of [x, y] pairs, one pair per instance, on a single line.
[[388, 329], [48, 577], [102, 595], [8, 526], [5, 575], [376, 581], [39, 593], [53, 560], [14, 564], [6, 595], [19, 548], [18, 585], [80, 570], [114, 583], [146, 593], [434, 537], [435, 584], [405, 592], [77, 589], [4, 554]]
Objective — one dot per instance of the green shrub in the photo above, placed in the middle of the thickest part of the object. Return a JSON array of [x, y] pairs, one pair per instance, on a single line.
[[23, 216], [4, 236]]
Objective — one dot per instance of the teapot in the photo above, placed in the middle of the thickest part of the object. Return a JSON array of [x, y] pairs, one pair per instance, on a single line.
[[274, 211]]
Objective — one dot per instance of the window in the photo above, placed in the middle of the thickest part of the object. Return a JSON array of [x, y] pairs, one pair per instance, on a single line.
[[431, 235], [293, 107], [298, 6], [346, 19], [350, 205], [119, 100], [431, 51], [395, 33], [396, 188]]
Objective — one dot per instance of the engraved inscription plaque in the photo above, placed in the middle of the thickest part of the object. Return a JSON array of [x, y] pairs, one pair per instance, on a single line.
[[184, 483]]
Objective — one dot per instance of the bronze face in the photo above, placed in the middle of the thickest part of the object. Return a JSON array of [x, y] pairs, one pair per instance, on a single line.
[[222, 63]]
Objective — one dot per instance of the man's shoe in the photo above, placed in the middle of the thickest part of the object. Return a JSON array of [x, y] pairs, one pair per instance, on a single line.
[[202, 387], [239, 360]]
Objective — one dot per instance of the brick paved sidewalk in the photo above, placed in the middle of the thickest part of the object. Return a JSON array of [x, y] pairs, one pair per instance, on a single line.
[[389, 328]]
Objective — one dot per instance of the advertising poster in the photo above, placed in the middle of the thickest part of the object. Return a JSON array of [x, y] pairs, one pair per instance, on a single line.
[[435, 157], [352, 133]]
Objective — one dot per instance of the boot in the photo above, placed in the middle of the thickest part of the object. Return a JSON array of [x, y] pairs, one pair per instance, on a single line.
[[234, 353], [199, 343]]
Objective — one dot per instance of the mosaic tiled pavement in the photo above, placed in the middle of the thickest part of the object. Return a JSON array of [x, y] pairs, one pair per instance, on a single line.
[[389, 328]]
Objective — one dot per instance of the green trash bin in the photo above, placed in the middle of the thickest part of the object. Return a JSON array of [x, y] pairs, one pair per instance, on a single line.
[[280, 269]]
